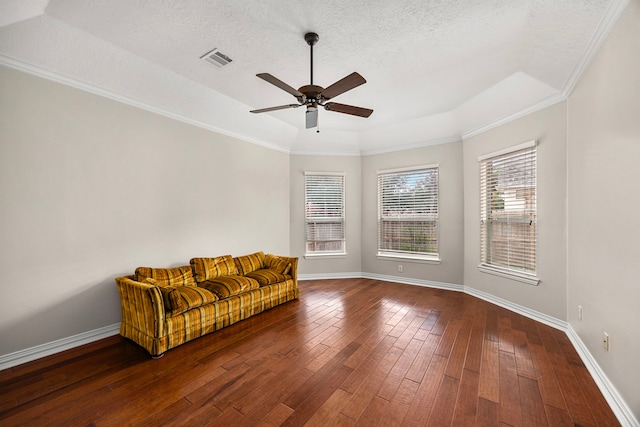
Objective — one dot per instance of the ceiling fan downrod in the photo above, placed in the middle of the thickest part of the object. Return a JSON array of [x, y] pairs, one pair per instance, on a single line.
[[311, 39]]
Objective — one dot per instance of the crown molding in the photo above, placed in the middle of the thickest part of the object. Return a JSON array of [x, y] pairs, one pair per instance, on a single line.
[[540, 105], [423, 144], [53, 76], [328, 154], [96, 90], [50, 75], [611, 16]]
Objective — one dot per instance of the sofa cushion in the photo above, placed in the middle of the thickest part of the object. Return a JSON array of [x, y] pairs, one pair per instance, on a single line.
[[267, 276], [248, 263], [209, 268], [178, 299], [278, 264], [226, 286], [179, 276]]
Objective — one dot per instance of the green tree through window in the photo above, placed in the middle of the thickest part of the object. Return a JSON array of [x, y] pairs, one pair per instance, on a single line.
[[408, 212]]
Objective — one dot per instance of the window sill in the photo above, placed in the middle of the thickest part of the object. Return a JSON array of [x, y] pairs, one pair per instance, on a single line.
[[325, 256], [411, 258], [520, 277]]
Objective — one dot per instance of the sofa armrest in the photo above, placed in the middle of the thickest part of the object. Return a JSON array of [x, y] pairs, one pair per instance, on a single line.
[[142, 306]]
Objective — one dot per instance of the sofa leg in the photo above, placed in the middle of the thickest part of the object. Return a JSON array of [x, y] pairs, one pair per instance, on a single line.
[[157, 356]]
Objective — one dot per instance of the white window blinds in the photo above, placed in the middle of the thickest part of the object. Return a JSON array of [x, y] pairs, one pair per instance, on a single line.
[[408, 212], [324, 213], [508, 220]]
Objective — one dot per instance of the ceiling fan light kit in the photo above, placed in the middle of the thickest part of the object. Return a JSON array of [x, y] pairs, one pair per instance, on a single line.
[[313, 96]]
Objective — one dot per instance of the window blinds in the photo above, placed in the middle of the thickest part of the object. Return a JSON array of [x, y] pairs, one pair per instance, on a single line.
[[324, 213], [508, 229], [408, 211]]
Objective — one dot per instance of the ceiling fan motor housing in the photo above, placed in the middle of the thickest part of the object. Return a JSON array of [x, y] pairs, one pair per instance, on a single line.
[[312, 93]]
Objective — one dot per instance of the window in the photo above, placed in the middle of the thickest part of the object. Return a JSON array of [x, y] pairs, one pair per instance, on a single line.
[[324, 213], [508, 222], [408, 213]]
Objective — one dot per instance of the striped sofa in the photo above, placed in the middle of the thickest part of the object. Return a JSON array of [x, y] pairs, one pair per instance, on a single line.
[[163, 308]]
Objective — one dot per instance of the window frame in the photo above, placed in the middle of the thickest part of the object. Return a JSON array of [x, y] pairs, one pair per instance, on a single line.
[[416, 256], [342, 252], [529, 212]]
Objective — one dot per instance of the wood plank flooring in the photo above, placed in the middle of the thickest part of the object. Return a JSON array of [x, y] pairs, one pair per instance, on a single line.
[[350, 352]]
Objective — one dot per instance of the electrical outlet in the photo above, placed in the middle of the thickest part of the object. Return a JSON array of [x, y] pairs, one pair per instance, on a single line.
[[605, 340], [579, 312], [400, 268]]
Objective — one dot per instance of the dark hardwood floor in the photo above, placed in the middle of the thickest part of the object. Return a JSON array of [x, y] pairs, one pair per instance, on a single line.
[[349, 352]]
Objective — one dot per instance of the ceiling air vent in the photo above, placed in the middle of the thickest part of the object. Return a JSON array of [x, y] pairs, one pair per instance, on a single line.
[[216, 58]]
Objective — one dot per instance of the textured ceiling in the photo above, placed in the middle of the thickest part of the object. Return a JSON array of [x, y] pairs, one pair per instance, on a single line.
[[436, 70]]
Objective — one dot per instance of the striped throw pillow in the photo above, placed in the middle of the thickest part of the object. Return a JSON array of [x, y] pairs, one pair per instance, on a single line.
[[226, 286], [178, 299], [210, 268], [276, 263], [179, 276], [266, 276], [248, 263]]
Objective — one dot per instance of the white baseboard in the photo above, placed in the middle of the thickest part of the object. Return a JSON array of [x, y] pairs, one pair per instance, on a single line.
[[321, 276], [616, 402], [416, 282], [27, 355], [613, 398], [532, 314], [520, 309]]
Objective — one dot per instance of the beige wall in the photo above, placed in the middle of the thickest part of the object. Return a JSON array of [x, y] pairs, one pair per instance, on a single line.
[[335, 264], [548, 127], [449, 157], [361, 213], [604, 206], [91, 188]]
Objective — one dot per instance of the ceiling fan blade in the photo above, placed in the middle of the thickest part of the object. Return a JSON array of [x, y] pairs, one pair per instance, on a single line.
[[348, 109], [279, 83], [343, 85], [311, 117], [279, 107]]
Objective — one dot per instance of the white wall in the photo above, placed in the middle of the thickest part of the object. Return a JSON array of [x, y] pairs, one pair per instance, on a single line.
[[351, 167], [91, 188], [449, 157], [548, 127], [604, 206]]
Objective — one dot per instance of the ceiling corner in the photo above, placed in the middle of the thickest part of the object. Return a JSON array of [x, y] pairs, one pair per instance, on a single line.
[[12, 11], [611, 15]]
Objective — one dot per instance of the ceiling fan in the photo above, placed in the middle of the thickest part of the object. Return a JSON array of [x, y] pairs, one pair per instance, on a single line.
[[313, 96]]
